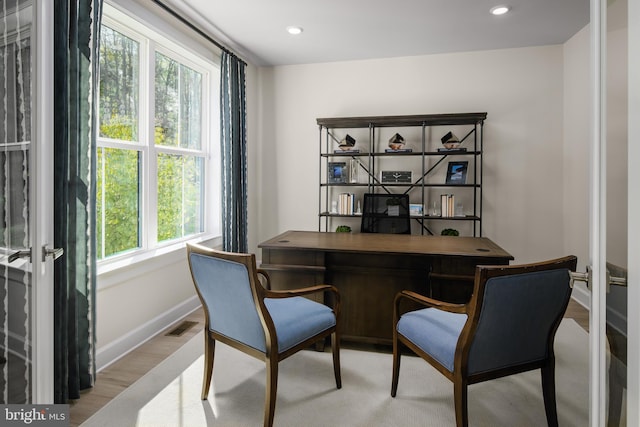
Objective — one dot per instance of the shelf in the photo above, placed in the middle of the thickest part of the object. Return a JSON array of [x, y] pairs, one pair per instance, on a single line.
[[425, 162], [428, 153], [448, 218], [450, 185], [412, 153], [344, 155], [417, 217], [402, 121], [328, 214], [344, 184], [398, 184]]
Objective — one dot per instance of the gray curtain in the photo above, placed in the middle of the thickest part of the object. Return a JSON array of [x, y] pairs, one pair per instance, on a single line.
[[234, 154], [77, 24]]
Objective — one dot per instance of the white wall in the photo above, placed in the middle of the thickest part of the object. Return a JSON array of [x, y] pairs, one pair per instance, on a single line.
[[520, 89], [576, 154], [133, 304]]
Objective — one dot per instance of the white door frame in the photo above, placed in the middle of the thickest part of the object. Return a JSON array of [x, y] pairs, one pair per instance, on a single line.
[[41, 191], [633, 211], [597, 225]]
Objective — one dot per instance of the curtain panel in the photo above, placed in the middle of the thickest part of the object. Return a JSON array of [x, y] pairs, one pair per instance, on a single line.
[[76, 40], [234, 153]]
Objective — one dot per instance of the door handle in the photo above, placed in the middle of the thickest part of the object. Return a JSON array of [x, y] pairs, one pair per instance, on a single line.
[[575, 276], [55, 253], [26, 253], [620, 280]]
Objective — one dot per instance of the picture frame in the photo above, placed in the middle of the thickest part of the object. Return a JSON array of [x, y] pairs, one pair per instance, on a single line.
[[457, 173], [337, 173], [416, 209]]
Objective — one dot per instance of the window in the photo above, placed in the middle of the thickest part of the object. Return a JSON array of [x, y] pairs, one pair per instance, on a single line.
[[156, 180]]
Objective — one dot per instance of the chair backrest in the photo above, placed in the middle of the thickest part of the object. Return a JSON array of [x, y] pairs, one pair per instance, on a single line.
[[517, 310], [225, 283], [386, 213]]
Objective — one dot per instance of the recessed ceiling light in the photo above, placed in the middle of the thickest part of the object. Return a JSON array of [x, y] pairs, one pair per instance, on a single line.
[[499, 10], [294, 30]]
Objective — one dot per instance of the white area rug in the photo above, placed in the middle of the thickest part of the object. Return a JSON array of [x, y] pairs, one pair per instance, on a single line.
[[169, 395]]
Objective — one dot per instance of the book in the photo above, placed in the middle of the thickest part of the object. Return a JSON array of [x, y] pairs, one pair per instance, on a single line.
[[444, 205], [354, 151], [346, 204], [447, 205], [451, 205], [399, 150], [452, 150]]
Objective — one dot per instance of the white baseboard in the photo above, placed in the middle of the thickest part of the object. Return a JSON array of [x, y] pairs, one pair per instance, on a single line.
[[616, 315], [113, 351], [581, 295]]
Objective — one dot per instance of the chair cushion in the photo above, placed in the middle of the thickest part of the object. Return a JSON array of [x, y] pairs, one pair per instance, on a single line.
[[434, 331], [297, 319]]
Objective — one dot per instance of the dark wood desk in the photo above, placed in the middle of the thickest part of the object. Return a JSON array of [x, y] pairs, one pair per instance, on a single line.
[[369, 269]]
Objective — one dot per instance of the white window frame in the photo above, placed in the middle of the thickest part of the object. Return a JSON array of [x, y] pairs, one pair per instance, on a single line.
[[150, 40]]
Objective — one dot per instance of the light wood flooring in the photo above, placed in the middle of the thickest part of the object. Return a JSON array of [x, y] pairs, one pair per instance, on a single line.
[[121, 374]]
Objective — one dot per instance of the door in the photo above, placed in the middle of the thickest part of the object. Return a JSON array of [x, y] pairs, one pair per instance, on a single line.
[[616, 120], [26, 171], [612, 205]]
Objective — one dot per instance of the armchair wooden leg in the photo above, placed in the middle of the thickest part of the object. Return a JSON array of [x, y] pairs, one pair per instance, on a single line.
[[335, 348], [209, 352], [396, 365], [272, 388], [460, 399], [549, 393]]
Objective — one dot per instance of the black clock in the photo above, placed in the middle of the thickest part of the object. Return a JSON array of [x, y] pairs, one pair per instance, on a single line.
[[396, 177]]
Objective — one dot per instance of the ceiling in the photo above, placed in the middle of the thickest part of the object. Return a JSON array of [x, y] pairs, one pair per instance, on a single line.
[[343, 30]]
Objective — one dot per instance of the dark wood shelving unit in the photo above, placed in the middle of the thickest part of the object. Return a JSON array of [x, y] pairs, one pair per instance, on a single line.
[[429, 158]]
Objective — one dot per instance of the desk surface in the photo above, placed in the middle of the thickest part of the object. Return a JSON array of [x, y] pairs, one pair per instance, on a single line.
[[387, 244]]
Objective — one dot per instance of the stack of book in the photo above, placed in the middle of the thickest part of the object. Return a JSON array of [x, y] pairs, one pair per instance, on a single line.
[[447, 205], [346, 204]]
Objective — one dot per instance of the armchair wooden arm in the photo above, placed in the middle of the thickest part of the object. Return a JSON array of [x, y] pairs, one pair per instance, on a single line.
[[267, 280], [425, 301], [299, 292], [429, 302], [307, 291]]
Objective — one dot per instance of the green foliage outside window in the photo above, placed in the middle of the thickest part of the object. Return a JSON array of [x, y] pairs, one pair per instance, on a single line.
[[179, 189], [178, 122], [117, 201]]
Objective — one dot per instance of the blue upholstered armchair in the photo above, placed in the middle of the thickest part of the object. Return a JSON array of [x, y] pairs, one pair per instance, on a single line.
[[507, 327], [242, 312]]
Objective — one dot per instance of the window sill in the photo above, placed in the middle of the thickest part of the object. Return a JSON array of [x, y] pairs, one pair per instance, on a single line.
[[112, 273]]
